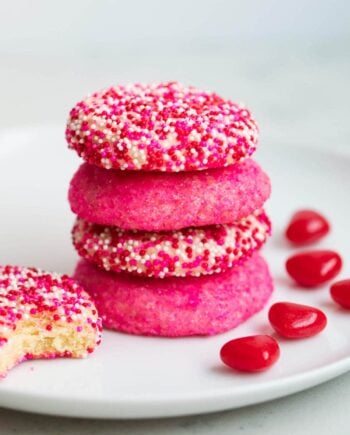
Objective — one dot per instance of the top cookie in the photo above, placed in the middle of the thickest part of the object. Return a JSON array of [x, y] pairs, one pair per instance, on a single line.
[[160, 127]]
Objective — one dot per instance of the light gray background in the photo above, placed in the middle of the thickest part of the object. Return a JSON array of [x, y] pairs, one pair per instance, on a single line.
[[288, 61]]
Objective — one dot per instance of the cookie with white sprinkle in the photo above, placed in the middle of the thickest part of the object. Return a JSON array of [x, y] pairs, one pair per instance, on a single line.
[[44, 315], [192, 251], [160, 127]]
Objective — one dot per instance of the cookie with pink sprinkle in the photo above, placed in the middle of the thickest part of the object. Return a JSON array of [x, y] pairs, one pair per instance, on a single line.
[[160, 127], [44, 315], [177, 307], [155, 201], [191, 251]]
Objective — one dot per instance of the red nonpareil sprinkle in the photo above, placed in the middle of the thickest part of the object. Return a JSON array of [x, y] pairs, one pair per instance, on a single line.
[[314, 268], [255, 353], [292, 320], [3, 341], [160, 127], [307, 226]]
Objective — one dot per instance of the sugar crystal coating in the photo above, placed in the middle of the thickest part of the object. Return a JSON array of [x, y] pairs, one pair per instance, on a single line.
[[174, 306], [160, 127], [155, 201]]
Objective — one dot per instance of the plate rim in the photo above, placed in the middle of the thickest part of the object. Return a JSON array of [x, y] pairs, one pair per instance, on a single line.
[[176, 406]]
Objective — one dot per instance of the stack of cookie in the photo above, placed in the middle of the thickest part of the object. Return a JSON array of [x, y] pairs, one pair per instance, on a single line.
[[169, 208]]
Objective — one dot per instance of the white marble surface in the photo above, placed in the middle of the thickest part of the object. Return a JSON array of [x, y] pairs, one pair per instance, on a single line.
[[299, 94]]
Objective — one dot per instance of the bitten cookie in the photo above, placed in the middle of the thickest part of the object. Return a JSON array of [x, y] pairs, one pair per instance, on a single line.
[[188, 252], [160, 127], [177, 307], [44, 315], [168, 201]]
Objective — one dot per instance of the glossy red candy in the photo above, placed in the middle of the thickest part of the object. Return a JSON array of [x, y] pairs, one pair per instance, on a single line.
[[340, 292], [250, 354], [307, 226], [295, 320], [313, 268]]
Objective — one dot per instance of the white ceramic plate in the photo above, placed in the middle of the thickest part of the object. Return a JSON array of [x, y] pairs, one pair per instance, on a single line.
[[135, 377]]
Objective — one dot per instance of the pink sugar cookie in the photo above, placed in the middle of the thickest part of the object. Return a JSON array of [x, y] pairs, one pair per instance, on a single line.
[[177, 307], [160, 127], [187, 252], [44, 315], [168, 201]]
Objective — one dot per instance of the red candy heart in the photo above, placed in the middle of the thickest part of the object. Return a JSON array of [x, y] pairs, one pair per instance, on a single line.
[[295, 320], [250, 354], [340, 292], [313, 268], [307, 226]]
